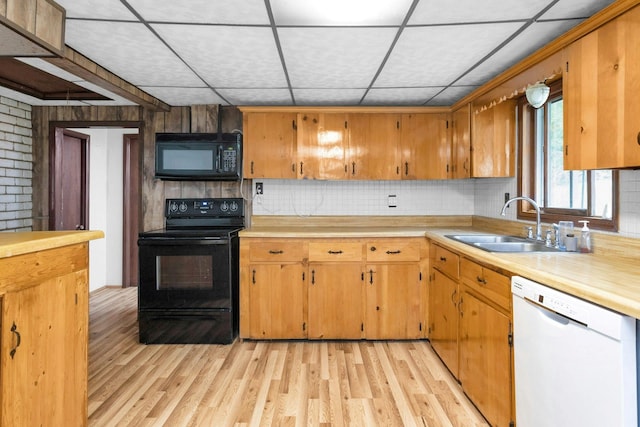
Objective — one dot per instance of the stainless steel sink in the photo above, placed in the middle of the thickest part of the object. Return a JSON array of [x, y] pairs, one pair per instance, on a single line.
[[502, 243]]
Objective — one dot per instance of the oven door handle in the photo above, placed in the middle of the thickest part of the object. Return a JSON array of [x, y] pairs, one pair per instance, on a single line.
[[180, 241]]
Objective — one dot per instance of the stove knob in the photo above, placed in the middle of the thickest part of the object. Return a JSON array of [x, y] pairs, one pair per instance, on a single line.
[[234, 206], [183, 207], [173, 207], [224, 206]]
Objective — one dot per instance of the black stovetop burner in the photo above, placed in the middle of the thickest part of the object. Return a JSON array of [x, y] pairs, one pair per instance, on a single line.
[[201, 218]]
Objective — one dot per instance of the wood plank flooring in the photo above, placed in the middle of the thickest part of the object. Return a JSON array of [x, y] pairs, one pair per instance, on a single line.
[[279, 383]]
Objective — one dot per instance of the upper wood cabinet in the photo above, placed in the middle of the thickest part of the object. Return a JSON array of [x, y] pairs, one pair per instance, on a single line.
[[461, 143], [493, 141], [373, 146], [270, 148], [322, 142], [425, 146], [601, 82]]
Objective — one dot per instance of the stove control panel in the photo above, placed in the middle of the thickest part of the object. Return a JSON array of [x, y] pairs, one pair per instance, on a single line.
[[182, 208]]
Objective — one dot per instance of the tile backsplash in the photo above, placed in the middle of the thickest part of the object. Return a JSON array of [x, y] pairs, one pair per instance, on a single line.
[[483, 197]]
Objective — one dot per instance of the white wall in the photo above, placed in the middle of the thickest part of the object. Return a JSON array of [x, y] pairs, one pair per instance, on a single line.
[[105, 204]]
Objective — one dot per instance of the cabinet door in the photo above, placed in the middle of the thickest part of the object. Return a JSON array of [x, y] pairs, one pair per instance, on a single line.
[[600, 86], [269, 145], [443, 319], [461, 143], [493, 141], [425, 146], [335, 301], [373, 146], [393, 301], [44, 353], [485, 359], [322, 143], [277, 300]]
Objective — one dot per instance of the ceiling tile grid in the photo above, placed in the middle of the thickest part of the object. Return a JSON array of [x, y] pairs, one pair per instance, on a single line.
[[313, 52]]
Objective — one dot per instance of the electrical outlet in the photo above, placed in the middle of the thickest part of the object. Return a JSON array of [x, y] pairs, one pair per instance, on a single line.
[[259, 188], [391, 201], [506, 197]]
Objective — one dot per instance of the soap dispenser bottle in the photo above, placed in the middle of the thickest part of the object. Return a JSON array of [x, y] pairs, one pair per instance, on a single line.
[[585, 238]]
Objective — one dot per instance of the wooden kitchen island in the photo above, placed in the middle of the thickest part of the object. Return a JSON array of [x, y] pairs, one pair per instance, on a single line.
[[44, 283]]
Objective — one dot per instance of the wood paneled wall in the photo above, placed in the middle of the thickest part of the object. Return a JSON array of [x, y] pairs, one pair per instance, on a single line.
[[197, 118]]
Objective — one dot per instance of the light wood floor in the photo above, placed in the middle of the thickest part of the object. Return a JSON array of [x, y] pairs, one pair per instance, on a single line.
[[293, 383]]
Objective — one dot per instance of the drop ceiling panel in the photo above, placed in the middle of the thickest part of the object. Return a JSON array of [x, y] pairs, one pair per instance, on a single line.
[[178, 96], [463, 11], [339, 12], [400, 96], [527, 42], [245, 12], [450, 95], [97, 9], [130, 51], [257, 96], [569, 9], [328, 96], [215, 54], [334, 57], [437, 56]]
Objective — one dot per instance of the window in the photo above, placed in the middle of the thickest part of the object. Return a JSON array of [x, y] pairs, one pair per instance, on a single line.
[[562, 195]]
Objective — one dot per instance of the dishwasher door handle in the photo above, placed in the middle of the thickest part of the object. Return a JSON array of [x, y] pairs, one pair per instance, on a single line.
[[552, 315]]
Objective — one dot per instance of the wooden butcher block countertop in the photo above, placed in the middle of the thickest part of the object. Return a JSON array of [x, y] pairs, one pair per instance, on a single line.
[[18, 243]]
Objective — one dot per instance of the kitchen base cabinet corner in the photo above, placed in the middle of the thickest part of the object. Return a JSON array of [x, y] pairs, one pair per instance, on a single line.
[[44, 338]]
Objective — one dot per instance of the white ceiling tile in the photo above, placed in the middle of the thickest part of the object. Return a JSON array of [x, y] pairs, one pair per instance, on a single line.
[[334, 57], [178, 96], [339, 12], [436, 56], [527, 42], [246, 12], [130, 51], [257, 96], [450, 95], [567, 9], [328, 96], [466, 11], [400, 96], [217, 55], [96, 9]]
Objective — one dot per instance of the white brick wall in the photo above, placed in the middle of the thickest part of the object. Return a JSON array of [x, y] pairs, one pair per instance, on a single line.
[[16, 166]]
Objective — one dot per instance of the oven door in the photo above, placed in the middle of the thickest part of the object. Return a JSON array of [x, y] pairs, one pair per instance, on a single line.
[[186, 273]]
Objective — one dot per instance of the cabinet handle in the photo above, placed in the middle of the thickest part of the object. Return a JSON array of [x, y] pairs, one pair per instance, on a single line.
[[406, 168], [334, 252], [453, 297], [394, 252], [14, 328], [301, 169], [313, 277], [371, 277], [481, 280], [460, 306], [251, 167], [253, 277], [443, 259], [638, 138], [353, 168], [293, 167], [272, 252]]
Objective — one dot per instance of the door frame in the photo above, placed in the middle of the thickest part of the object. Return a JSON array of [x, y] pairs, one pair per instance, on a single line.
[[132, 215], [57, 135], [135, 213]]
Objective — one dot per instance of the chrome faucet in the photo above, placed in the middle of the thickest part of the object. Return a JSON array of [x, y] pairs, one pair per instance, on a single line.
[[534, 204]]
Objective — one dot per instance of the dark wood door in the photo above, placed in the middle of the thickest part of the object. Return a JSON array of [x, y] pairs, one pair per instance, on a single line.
[[131, 207], [69, 181]]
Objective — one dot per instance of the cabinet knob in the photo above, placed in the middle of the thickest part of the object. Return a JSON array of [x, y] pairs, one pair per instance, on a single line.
[[638, 138], [372, 249]]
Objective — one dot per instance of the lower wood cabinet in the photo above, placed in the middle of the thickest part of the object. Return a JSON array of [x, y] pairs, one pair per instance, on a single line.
[[470, 328], [44, 336], [333, 288]]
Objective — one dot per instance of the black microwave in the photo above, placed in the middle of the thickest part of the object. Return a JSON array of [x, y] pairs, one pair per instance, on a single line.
[[199, 156]]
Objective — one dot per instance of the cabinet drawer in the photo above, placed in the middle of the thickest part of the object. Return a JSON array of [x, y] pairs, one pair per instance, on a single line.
[[335, 251], [276, 250], [446, 261], [393, 250], [489, 283]]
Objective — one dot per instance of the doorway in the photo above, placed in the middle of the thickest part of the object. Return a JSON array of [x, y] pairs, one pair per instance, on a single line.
[[113, 188]]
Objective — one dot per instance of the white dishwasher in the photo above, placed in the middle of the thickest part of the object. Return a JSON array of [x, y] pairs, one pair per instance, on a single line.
[[575, 362]]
